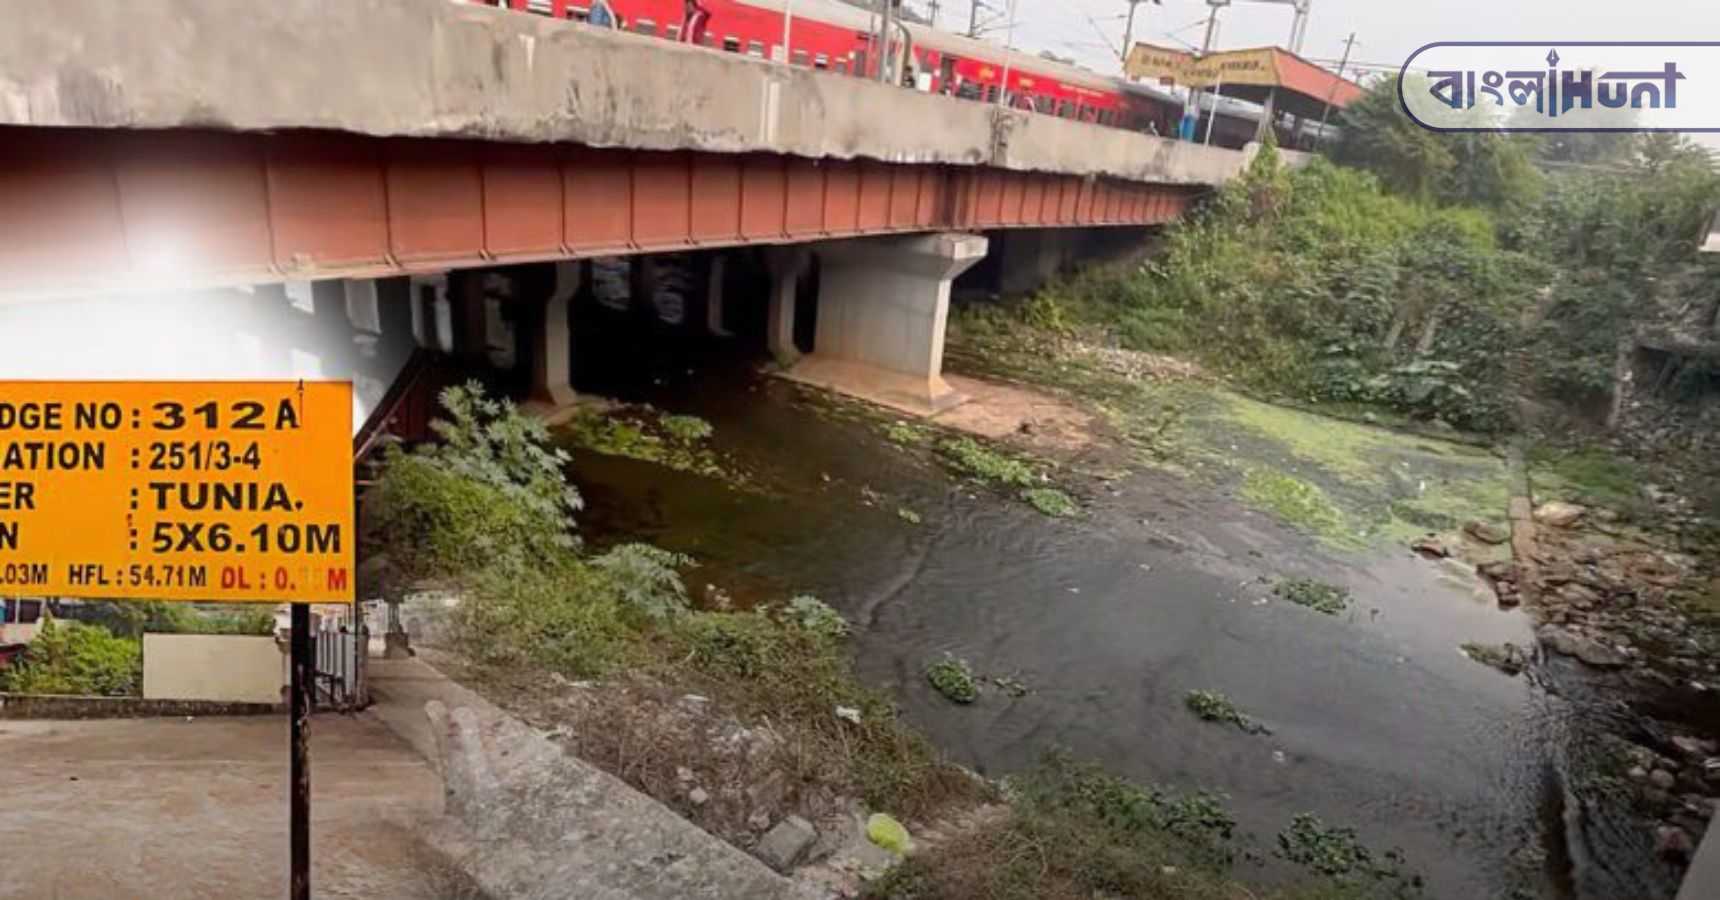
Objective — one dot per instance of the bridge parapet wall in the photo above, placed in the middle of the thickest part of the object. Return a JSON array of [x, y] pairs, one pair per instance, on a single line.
[[436, 69]]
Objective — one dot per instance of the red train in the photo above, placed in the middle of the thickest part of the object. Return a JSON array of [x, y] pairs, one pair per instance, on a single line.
[[823, 34]]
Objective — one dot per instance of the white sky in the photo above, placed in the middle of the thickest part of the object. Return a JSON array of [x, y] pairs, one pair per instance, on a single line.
[[1387, 31]]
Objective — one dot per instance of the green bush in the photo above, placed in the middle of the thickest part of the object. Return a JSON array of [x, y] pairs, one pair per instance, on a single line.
[[492, 494], [79, 659], [645, 580], [817, 617]]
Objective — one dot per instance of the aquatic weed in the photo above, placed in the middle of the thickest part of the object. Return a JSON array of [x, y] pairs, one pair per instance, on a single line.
[[954, 679], [1051, 502], [1317, 595], [1213, 706], [986, 464]]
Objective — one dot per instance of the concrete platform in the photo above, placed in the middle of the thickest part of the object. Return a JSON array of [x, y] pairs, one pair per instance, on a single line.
[[198, 809], [904, 393], [529, 821]]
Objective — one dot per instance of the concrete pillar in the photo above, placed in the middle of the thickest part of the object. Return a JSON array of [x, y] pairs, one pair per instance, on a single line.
[[552, 340], [714, 298], [882, 308], [787, 265], [470, 317], [1029, 258]]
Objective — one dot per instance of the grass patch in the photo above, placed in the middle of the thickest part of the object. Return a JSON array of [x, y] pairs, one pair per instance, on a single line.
[[1300, 503], [1212, 706], [1075, 832], [907, 435], [1593, 475], [971, 458], [1316, 595], [954, 679], [686, 429], [1051, 502], [975, 460]]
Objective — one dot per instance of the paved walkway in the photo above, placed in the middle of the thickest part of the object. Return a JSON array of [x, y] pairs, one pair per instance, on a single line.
[[198, 809]]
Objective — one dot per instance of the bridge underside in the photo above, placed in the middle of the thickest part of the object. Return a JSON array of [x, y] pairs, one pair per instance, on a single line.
[[84, 210]]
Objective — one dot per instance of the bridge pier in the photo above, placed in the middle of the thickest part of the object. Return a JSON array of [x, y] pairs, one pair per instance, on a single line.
[[552, 339], [882, 308], [1028, 258], [469, 316], [787, 265]]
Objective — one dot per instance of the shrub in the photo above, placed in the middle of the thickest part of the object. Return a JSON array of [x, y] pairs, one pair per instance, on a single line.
[[79, 659], [644, 579], [817, 617], [492, 495], [566, 618]]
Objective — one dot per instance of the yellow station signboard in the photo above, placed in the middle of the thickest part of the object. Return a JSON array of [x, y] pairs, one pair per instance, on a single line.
[[220, 491]]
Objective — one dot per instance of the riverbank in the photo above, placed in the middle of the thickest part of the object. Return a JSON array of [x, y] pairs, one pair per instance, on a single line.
[[1212, 544]]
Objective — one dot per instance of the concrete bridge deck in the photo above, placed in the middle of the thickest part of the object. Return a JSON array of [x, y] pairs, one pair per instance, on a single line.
[[248, 143]]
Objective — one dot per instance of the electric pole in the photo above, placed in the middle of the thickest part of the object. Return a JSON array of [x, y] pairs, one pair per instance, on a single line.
[[974, 6], [1327, 112], [932, 11], [1348, 46], [1129, 30]]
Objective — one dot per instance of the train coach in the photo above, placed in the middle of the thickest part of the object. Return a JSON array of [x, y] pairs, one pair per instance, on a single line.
[[842, 39]]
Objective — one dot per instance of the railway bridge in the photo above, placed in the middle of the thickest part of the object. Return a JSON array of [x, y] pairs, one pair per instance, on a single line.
[[450, 170]]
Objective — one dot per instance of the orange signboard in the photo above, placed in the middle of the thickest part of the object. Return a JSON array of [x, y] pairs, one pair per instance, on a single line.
[[221, 491]]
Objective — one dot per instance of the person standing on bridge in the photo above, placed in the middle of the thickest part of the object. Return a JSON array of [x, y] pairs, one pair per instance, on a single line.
[[600, 15], [693, 23]]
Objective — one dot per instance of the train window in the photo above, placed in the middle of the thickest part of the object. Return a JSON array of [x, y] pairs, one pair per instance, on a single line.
[[577, 14], [755, 48], [801, 58], [1047, 105], [646, 26], [708, 39], [860, 64], [673, 33], [842, 66], [1066, 109], [731, 43], [541, 7], [991, 93], [821, 61]]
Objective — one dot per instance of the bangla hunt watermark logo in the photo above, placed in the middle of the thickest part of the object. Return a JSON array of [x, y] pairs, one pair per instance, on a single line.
[[1587, 86]]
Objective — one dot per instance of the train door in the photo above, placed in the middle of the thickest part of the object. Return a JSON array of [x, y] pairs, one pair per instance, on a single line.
[[946, 74]]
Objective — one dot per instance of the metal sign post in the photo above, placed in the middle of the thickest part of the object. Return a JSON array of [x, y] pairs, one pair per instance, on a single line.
[[303, 683], [236, 492]]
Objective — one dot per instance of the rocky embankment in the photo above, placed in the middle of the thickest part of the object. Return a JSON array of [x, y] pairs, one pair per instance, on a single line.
[[1619, 599]]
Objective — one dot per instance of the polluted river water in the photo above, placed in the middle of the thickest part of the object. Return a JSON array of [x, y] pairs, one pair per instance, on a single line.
[[1101, 623]]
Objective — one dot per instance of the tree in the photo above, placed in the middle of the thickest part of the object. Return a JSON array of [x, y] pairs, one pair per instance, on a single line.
[[1488, 168]]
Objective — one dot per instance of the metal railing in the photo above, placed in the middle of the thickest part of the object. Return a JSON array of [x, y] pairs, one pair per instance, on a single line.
[[339, 668]]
